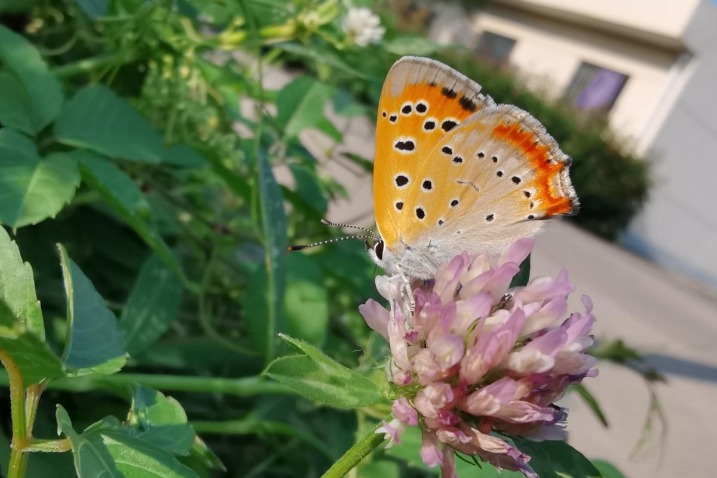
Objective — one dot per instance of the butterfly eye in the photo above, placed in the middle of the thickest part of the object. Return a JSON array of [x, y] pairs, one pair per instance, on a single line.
[[378, 249]]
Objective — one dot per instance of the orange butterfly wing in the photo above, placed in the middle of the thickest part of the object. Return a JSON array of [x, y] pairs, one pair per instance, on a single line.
[[421, 101]]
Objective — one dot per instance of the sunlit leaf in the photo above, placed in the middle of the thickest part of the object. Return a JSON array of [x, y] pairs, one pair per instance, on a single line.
[[94, 343], [607, 469], [98, 119], [32, 189], [32, 356], [17, 287], [92, 459], [301, 105], [30, 97], [322, 379], [412, 45], [160, 421]]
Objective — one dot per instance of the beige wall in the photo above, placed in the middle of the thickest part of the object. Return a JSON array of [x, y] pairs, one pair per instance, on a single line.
[[665, 17], [549, 53]]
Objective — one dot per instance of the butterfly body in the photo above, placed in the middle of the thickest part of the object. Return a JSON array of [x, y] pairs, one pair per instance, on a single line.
[[454, 172]]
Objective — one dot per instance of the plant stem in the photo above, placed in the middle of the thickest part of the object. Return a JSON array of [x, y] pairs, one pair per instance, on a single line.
[[18, 459], [84, 66], [242, 387], [354, 455]]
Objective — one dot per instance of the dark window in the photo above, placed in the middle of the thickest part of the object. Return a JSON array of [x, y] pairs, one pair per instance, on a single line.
[[594, 89], [494, 48]]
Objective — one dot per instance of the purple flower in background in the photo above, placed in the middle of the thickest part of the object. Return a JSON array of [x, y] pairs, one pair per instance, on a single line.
[[476, 360]]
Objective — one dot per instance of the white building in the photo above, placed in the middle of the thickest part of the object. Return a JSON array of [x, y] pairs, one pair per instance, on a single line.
[[652, 64]]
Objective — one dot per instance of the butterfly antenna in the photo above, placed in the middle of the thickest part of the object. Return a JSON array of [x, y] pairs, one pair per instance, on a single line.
[[372, 234], [300, 247]]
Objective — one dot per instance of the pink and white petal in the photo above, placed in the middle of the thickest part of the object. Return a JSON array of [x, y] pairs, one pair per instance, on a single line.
[[375, 316], [402, 410], [431, 453]]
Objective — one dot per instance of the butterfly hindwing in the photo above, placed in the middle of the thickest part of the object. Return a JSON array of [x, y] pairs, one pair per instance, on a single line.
[[485, 183], [421, 101]]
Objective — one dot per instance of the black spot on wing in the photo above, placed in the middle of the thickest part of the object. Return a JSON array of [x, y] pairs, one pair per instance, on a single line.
[[467, 104]]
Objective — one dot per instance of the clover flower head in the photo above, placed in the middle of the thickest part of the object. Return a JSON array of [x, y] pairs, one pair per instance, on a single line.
[[476, 360], [362, 26]]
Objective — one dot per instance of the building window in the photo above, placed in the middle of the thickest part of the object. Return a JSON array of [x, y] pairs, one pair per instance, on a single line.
[[594, 89], [494, 48]]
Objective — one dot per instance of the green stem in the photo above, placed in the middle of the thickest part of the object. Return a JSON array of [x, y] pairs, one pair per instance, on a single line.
[[354, 455], [242, 387], [84, 66], [18, 459]]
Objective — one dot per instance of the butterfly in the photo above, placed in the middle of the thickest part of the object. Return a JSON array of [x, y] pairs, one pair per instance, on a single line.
[[455, 172]]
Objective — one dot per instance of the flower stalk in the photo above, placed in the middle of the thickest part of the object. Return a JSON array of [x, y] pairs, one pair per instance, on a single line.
[[354, 455]]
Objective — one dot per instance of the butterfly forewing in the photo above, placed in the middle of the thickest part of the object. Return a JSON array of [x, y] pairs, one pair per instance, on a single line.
[[421, 102]]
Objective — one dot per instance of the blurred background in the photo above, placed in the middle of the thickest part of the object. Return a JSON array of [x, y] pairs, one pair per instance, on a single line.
[[214, 89]]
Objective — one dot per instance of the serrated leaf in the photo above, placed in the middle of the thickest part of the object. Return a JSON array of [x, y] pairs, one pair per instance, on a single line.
[[556, 459], [126, 201], [300, 105], [98, 119], [91, 456], [32, 188], [160, 421], [306, 303], [30, 353], [17, 287], [94, 343], [151, 307], [320, 378], [30, 97]]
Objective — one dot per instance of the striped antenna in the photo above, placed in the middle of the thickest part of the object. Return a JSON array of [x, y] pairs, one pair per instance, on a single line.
[[328, 241], [369, 235], [372, 234]]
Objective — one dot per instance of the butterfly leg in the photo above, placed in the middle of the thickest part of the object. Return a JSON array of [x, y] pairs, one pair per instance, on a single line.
[[407, 290]]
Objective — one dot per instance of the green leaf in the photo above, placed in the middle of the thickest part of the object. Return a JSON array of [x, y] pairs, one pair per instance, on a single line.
[[104, 171], [30, 97], [94, 343], [98, 119], [591, 402], [17, 287], [273, 222], [309, 188], [320, 57], [92, 458], [94, 8], [160, 421], [32, 189], [151, 307], [608, 470], [117, 189], [412, 45], [183, 156], [522, 278], [300, 105], [306, 302], [30, 353], [138, 459], [320, 378], [556, 459]]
